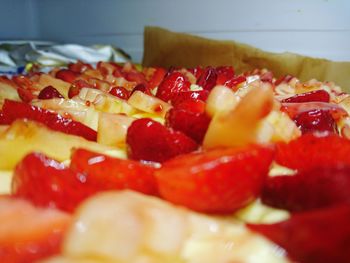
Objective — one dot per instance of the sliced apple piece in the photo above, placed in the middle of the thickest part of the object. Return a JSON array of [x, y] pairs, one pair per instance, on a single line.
[[131, 226], [112, 129], [47, 80], [221, 99], [77, 110], [23, 137], [105, 102], [8, 90], [238, 126], [150, 104]]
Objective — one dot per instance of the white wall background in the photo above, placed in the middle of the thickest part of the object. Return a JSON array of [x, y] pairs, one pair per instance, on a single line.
[[319, 28]]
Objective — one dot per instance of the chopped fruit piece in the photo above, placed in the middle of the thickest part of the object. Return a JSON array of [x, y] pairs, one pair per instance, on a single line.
[[208, 79], [315, 188], [151, 141], [238, 126], [284, 79], [25, 95], [156, 78], [66, 75], [47, 80], [172, 84], [221, 99], [234, 82], [319, 236], [79, 67], [120, 92], [23, 137], [224, 74], [131, 227], [148, 103], [8, 90], [190, 118], [108, 173], [46, 182], [48, 93], [314, 149], [13, 110], [312, 96], [112, 128], [142, 88], [76, 86], [190, 95], [27, 233], [315, 120], [216, 181], [293, 109]]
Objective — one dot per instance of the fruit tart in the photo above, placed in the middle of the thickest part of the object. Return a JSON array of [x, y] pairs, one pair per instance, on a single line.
[[119, 163]]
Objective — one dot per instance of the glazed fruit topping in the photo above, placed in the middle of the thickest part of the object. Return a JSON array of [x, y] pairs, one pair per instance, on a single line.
[[319, 236], [151, 141], [120, 92], [216, 181], [13, 110], [315, 120], [190, 118], [172, 84], [310, 189], [190, 95], [208, 78], [312, 96], [48, 183], [49, 92], [313, 150], [66, 75]]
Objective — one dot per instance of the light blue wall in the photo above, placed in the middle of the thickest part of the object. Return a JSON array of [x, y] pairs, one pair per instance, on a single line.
[[319, 28]]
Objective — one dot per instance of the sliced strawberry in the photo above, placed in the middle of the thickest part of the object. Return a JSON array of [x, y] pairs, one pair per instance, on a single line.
[[157, 78], [190, 118], [208, 79], [172, 84], [216, 181], [294, 109], [151, 141], [49, 92], [142, 88], [79, 67], [3, 119], [76, 86], [13, 110], [315, 188], [232, 83], [315, 120], [224, 74], [107, 173], [312, 96], [66, 75], [120, 92], [197, 71], [284, 79], [48, 183], [27, 233], [25, 95], [190, 95], [314, 150], [319, 236]]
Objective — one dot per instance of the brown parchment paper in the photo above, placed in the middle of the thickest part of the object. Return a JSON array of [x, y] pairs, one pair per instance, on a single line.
[[165, 48]]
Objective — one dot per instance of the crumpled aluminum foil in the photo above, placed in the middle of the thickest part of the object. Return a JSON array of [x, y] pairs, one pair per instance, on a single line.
[[17, 57]]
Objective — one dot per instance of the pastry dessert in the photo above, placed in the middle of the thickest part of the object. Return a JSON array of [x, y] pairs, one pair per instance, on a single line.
[[119, 163]]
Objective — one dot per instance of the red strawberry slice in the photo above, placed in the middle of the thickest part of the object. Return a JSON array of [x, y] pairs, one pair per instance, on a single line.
[[120, 92], [107, 173], [232, 83], [319, 236], [208, 79], [28, 233], [312, 96], [66, 75], [157, 77], [172, 84], [315, 188], [13, 110], [314, 150], [151, 141], [190, 95], [216, 181], [190, 118], [224, 74], [79, 67], [48, 183], [315, 120], [49, 92]]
